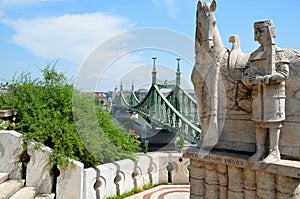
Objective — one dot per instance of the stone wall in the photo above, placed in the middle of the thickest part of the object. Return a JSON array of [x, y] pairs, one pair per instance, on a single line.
[[228, 175], [122, 176], [100, 182]]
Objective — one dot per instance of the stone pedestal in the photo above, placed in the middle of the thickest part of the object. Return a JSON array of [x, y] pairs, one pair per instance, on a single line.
[[230, 175]]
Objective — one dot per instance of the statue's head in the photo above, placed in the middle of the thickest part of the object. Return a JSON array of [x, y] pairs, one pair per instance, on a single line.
[[206, 23], [264, 32]]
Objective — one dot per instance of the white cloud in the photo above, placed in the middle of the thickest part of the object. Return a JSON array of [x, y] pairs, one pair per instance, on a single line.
[[70, 37]]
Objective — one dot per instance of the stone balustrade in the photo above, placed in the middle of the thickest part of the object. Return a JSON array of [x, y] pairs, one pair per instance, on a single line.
[[231, 175], [78, 182]]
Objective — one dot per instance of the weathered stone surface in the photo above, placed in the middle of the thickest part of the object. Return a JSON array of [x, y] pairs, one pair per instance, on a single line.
[[249, 194], [89, 183], [211, 191], [197, 169], [163, 172], [249, 180], [280, 195], [24, 193], [265, 183], [106, 174], [38, 170], [235, 179], [10, 150], [265, 180], [192, 196], [3, 177], [45, 196], [180, 173], [289, 168], [141, 175], [242, 99], [225, 104], [197, 187], [223, 192], [223, 175], [8, 188], [70, 181], [211, 174], [235, 195], [125, 182], [245, 179], [287, 185], [154, 168], [265, 194]]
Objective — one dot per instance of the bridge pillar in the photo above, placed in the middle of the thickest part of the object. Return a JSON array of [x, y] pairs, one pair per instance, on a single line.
[[154, 71], [178, 73]]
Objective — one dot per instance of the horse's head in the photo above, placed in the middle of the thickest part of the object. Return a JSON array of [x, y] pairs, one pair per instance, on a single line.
[[206, 24]]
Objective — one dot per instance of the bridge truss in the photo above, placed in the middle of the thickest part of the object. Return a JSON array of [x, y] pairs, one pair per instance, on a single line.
[[175, 112]]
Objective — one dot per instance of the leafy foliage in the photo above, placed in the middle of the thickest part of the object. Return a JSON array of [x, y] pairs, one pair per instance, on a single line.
[[106, 141], [45, 113], [127, 142]]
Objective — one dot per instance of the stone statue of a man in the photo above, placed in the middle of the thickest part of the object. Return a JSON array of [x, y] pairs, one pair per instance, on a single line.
[[265, 73]]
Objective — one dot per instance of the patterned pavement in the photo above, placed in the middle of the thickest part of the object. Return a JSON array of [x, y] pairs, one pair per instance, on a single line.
[[164, 192]]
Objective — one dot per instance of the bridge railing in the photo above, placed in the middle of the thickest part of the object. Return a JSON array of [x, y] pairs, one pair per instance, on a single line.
[[160, 111], [188, 105], [78, 182]]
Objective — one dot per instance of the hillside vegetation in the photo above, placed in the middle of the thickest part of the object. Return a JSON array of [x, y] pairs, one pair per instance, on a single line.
[[52, 112]]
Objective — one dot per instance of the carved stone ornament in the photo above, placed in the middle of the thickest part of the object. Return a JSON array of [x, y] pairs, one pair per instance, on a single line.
[[241, 95]]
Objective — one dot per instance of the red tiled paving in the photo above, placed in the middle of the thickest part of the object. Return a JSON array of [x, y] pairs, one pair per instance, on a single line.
[[164, 192]]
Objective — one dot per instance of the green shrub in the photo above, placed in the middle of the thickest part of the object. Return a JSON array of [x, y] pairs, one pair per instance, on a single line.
[[45, 108]]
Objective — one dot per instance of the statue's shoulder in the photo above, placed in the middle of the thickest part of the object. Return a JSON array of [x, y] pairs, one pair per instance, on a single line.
[[252, 54], [278, 49], [281, 55], [255, 54]]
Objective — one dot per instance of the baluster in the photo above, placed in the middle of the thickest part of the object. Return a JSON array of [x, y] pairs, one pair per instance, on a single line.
[[161, 111], [196, 118], [164, 112]]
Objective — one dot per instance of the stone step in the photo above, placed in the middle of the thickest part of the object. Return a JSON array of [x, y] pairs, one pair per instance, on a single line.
[[45, 196], [3, 177], [24, 193], [9, 187]]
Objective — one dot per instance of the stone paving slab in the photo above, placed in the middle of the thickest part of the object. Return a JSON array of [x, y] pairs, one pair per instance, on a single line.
[[164, 192]]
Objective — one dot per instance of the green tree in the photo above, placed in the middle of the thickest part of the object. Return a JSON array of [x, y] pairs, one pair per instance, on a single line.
[[46, 111]]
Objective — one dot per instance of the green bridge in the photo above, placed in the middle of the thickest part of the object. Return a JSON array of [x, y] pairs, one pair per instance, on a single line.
[[175, 112]]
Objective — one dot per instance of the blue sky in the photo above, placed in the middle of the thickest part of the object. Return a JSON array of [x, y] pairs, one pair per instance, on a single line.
[[35, 33]]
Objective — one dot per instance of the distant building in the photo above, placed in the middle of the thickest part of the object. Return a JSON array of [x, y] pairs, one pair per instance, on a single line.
[[141, 93], [2, 92], [101, 96]]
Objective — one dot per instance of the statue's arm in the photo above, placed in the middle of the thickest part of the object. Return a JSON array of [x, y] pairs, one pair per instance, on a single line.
[[247, 78], [281, 74], [282, 68]]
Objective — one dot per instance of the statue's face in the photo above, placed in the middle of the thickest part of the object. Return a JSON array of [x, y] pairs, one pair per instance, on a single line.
[[262, 35], [206, 23]]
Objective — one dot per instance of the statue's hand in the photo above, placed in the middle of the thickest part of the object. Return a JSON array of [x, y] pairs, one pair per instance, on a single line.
[[248, 79], [262, 79]]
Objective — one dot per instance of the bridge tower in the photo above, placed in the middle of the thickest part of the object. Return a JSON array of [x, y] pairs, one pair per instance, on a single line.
[[178, 73], [121, 87], [154, 71], [132, 86]]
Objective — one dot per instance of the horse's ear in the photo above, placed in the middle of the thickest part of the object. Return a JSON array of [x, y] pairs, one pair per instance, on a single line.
[[213, 6], [199, 6]]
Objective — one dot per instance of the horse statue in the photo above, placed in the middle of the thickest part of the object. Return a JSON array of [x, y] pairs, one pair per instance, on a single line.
[[224, 102]]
